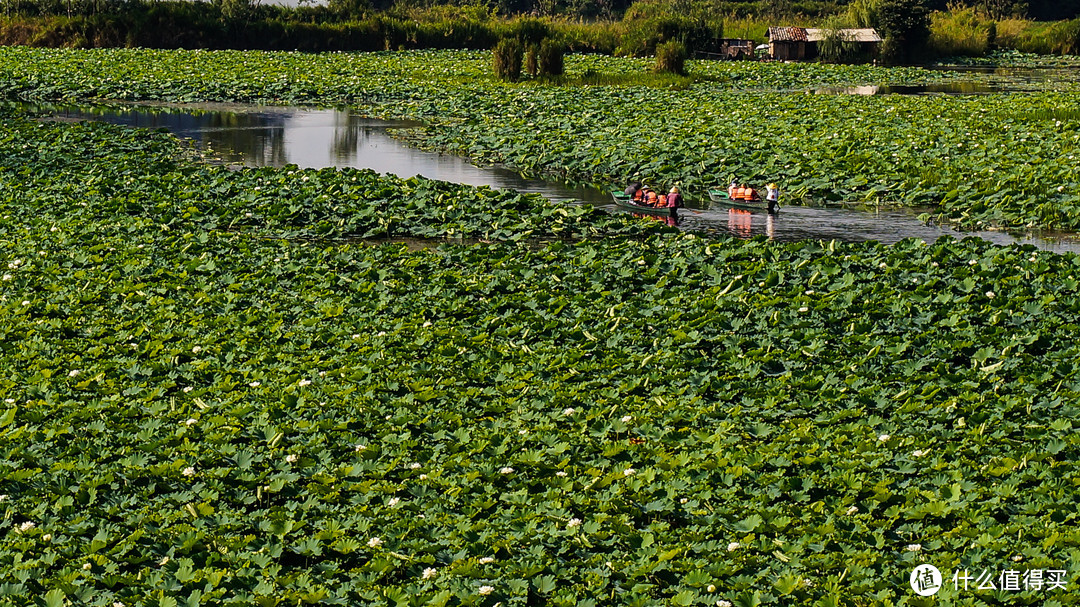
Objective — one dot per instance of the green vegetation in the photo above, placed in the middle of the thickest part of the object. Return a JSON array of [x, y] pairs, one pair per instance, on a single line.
[[196, 411], [610, 27], [507, 57], [983, 160], [671, 58]]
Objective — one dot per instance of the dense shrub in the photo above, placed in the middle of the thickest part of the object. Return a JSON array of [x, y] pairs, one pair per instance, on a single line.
[[671, 58], [549, 58], [531, 67], [650, 23], [507, 60]]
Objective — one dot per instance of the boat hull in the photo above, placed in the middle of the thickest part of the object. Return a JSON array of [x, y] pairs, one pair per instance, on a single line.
[[624, 202], [721, 197]]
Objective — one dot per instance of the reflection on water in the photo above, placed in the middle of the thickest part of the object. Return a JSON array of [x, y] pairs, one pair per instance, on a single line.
[[977, 80], [313, 138], [944, 88], [316, 138]]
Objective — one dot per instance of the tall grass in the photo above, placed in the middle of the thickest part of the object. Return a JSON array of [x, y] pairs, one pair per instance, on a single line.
[[961, 31], [1053, 38], [971, 31]]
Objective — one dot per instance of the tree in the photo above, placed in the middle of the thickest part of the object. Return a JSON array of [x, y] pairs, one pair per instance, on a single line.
[[905, 27], [1003, 9]]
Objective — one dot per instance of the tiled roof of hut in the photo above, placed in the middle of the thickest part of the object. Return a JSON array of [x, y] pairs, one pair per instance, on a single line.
[[787, 34]]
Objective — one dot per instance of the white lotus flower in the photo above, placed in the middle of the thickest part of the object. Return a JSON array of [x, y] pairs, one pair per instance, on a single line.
[[486, 590], [429, 573], [291, 458], [26, 526], [626, 419], [191, 422], [560, 473], [374, 542], [733, 546], [393, 502], [568, 411], [164, 561], [255, 384], [487, 559], [884, 437], [74, 373], [574, 522], [629, 472], [414, 466], [852, 510], [305, 382], [506, 470], [189, 471]]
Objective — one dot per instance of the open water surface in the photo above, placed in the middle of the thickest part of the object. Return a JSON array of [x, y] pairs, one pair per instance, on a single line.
[[319, 138]]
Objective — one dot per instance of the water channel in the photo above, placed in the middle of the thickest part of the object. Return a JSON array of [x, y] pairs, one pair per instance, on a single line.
[[318, 138]]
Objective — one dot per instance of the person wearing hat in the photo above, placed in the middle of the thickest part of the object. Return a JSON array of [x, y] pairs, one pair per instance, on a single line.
[[674, 198], [651, 198], [772, 198]]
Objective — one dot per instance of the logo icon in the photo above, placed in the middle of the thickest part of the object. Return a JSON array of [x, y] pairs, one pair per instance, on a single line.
[[926, 580]]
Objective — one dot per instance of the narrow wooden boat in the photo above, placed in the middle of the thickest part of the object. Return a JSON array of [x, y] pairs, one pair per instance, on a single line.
[[625, 202], [721, 197]]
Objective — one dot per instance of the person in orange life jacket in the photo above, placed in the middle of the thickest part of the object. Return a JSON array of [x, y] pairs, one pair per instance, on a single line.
[[639, 196], [745, 192], [651, 198], [633, 189], [674, 198]]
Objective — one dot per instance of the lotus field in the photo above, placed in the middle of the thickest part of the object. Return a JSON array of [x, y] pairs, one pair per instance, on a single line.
[[1007, 160], [216, 394]]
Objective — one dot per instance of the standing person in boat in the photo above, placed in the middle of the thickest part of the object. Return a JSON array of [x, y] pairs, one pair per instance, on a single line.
[[674, 198], [772, 197]]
